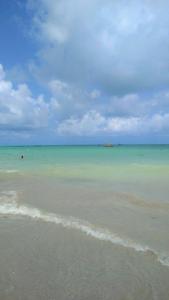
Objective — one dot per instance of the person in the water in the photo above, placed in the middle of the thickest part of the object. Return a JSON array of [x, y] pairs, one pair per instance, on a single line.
[[22, 156]]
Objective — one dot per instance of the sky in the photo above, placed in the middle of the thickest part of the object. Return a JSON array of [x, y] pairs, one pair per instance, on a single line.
[[84, 71]]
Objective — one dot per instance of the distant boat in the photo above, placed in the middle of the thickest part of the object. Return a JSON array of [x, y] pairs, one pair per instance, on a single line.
[[108, 145]]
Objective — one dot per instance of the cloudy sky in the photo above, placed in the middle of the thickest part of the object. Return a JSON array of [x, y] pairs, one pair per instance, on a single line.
[[84, 71]]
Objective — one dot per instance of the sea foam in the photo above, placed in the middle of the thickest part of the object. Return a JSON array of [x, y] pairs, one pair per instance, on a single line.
[[10, 207]]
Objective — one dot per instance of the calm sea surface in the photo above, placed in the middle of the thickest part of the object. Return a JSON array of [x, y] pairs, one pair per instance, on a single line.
[[84, 222]]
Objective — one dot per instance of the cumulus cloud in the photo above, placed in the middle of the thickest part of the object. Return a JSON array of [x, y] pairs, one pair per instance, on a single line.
[[70, 111], [58, 86], [93, 123], [120, 46], [102, 66], [90, 124], [71, 99], [19, 110], [129, 114]]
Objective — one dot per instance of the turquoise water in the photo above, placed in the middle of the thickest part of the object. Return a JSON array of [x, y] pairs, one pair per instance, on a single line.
[[88, 162]]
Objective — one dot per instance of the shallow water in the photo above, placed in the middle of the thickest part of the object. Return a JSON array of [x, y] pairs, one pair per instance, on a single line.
[[84, 223]]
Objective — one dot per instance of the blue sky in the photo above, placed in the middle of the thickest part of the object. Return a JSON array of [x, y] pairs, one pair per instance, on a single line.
[[83, 71]]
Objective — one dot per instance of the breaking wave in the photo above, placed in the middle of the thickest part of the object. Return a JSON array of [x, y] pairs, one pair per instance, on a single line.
[[9, 206]]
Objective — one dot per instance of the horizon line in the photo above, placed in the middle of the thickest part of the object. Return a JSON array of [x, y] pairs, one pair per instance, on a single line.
[[83, 145]]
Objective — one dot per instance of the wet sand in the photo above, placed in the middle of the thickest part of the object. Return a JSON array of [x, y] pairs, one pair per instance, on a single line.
[[63, 240]]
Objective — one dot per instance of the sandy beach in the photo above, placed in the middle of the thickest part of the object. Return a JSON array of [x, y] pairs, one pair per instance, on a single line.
[[94, 236]]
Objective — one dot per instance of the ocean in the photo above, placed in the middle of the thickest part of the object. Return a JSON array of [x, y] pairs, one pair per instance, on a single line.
[[84, 222]]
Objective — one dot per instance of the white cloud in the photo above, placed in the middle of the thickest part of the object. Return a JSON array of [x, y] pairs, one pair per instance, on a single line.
[[70, 99], [71, 112], [18, 109], [58, 86], [120, 46], [93, 123]]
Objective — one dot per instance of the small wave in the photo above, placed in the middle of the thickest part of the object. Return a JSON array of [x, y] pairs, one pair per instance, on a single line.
[[9, 171], [12, 171], [12, 208]]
